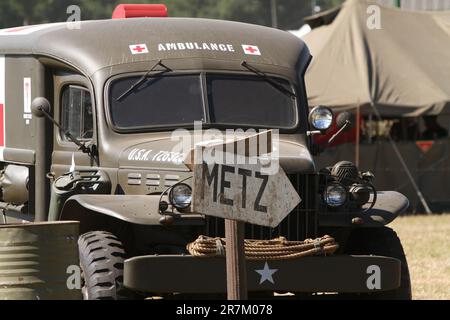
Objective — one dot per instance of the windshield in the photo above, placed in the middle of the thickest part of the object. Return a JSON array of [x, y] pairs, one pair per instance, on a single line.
[[166, 101], [162, 101]]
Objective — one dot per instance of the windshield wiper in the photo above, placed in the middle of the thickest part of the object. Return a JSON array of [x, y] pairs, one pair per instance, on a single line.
[[274, 83], [143, 78]]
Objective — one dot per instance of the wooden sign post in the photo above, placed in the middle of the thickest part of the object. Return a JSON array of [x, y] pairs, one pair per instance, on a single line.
[[241, 187], [236, 264]]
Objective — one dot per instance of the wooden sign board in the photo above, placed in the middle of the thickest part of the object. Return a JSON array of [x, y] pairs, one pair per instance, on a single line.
[[245, 192]]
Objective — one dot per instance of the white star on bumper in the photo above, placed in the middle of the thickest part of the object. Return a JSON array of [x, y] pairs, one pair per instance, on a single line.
[[266, 274]]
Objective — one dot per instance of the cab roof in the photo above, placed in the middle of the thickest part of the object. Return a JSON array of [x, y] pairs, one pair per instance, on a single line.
[[106, 43]]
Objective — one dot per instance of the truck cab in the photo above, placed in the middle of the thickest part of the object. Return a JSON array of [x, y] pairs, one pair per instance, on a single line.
[[93, 121]]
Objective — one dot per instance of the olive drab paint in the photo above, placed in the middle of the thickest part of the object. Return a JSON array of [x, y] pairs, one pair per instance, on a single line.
[[35, 258], [137, 170]]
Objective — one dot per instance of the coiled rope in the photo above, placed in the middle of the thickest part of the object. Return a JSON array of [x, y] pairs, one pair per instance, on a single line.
[[276, 249]]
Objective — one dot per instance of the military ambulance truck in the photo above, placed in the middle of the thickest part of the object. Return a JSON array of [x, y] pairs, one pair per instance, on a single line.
[[87, 116]]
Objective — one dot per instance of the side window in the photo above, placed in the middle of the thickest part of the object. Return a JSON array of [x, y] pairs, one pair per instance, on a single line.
[[76, 112]]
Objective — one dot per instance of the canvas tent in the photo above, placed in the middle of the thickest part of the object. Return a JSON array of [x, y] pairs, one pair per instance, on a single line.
[[401, 69]]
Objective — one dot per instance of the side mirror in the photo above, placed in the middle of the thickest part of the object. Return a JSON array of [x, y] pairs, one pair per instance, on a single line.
[[345, 120], [344, 123], [40, 106], [321, 118]]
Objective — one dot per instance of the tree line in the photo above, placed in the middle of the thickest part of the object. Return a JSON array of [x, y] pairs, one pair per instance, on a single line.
[[290, 13]]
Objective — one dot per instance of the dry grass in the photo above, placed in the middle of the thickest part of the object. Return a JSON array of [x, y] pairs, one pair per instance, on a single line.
[[426, 240]]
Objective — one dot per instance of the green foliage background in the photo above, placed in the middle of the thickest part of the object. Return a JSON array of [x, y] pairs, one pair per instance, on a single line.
[[290, 12]]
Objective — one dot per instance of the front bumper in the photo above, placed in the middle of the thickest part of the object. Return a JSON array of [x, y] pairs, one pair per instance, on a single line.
[[388, 206], [188, 274]]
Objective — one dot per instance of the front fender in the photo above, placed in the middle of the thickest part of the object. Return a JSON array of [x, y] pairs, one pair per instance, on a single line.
[[387, 208], [134, 209]]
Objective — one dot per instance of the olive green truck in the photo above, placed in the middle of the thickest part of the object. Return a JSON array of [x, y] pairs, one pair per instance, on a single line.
[[87, 116]]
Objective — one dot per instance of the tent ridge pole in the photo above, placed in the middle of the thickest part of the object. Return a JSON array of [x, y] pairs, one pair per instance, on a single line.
[[404, 165]]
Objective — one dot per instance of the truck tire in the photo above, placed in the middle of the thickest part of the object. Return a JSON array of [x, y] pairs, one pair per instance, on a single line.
[[381, 242], [101, 259]]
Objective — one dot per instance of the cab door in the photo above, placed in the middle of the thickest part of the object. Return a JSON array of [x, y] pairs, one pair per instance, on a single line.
[[74, 110]]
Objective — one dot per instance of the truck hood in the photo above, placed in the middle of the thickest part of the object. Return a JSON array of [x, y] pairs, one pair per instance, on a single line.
[[166, 153]]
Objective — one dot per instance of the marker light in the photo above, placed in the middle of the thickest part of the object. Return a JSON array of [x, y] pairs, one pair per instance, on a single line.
[[181, 196]]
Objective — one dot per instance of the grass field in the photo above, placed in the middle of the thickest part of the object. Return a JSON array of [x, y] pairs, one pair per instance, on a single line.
[[426, 240]]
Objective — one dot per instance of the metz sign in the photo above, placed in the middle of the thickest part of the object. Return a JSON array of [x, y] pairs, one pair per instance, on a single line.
[[245, 192]]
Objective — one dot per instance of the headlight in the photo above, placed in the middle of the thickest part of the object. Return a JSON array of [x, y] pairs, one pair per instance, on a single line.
[[360, 194], [181, 196], [335, 195], [321, 118]]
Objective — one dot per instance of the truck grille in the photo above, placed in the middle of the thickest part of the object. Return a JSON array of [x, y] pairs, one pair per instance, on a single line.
[[299, 225]]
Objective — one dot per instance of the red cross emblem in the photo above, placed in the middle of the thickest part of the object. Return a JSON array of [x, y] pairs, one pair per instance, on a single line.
[[251, 50], [138, 48]]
